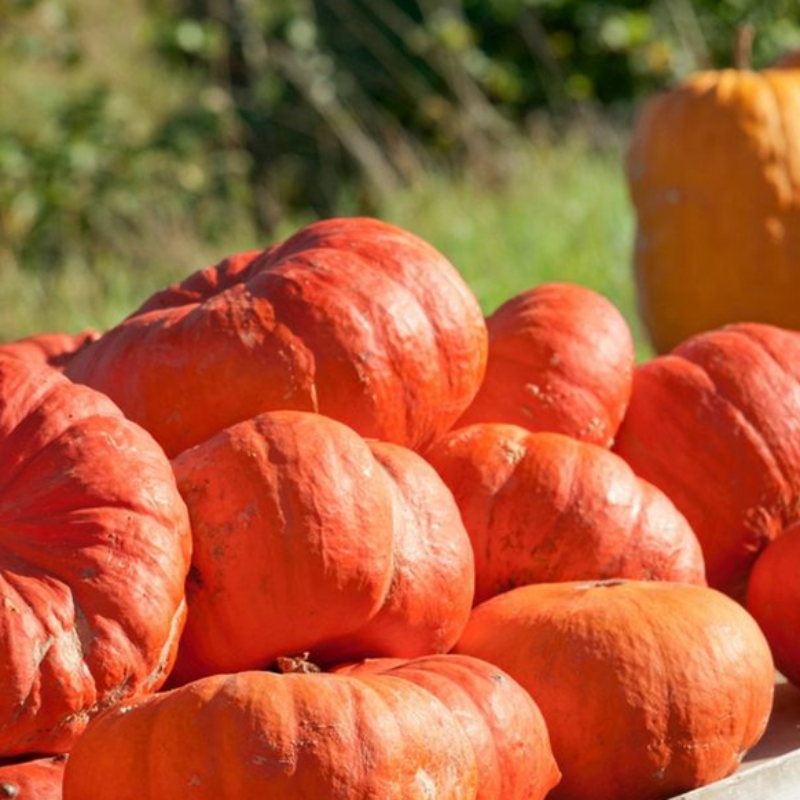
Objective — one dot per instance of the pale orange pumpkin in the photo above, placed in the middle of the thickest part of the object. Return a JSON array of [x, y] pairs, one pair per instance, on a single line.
[[282, 737], [648, 689], [714, 175]]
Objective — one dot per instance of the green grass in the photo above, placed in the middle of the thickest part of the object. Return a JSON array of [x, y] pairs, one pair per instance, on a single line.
[[562, 214]]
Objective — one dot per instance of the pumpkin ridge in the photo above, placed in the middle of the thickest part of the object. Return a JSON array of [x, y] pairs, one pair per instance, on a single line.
[[397, 497], [633, 539], [669, 727], [56, 388], [466, 699], [489, 546], [34, 688], [746, 425], [747, 331], [665, 466], [349, 295], [381, 685], [645, 501], [569, 467]]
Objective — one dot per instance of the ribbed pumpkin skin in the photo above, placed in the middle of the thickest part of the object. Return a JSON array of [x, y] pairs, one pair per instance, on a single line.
[[505, 726], [39, 779], [307, 537], [560, 359], [648, 689], [282, 737], [543, 507], [94, 552], [773, 598], [705, 255], [53, 349], [714, 426], [353, 318]]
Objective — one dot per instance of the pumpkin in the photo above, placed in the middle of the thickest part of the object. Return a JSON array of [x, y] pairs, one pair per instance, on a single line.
[[648, 689], [33, 779], [307, 537], [713, 425], [560, 359], [352, 318], [54, 349], [773, 598], [713, 178], [543, 507], [96, 549], [258, 734], [506, 728]]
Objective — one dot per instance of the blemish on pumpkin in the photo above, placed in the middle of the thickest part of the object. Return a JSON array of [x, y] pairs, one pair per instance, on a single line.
[[532, 388], [426, 784], [300, 664], [604, 584], [194, 578], [8, 790], [513, 452]]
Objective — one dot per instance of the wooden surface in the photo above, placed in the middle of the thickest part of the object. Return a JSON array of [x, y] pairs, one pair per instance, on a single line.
[[771, 770]]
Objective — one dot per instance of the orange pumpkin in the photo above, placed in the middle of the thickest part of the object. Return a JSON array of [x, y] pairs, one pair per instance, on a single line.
[[542, 507], [95, 553], [352, 318], [714, 177], [308, 537], [648, 689], [560, 359], [714, 426], [283, 737]]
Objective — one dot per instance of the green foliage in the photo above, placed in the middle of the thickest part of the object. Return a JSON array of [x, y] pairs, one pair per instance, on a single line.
[[146, 139], [562, 215], [83, 174]]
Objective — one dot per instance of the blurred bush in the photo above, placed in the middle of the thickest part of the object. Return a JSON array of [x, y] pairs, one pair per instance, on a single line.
[[125, 126]]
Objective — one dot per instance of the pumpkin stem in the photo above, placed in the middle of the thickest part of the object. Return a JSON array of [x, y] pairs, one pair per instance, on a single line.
[[743, 46], [297, 664]]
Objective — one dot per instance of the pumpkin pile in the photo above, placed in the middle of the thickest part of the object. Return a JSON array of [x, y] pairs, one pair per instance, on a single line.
[[305, 525]]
